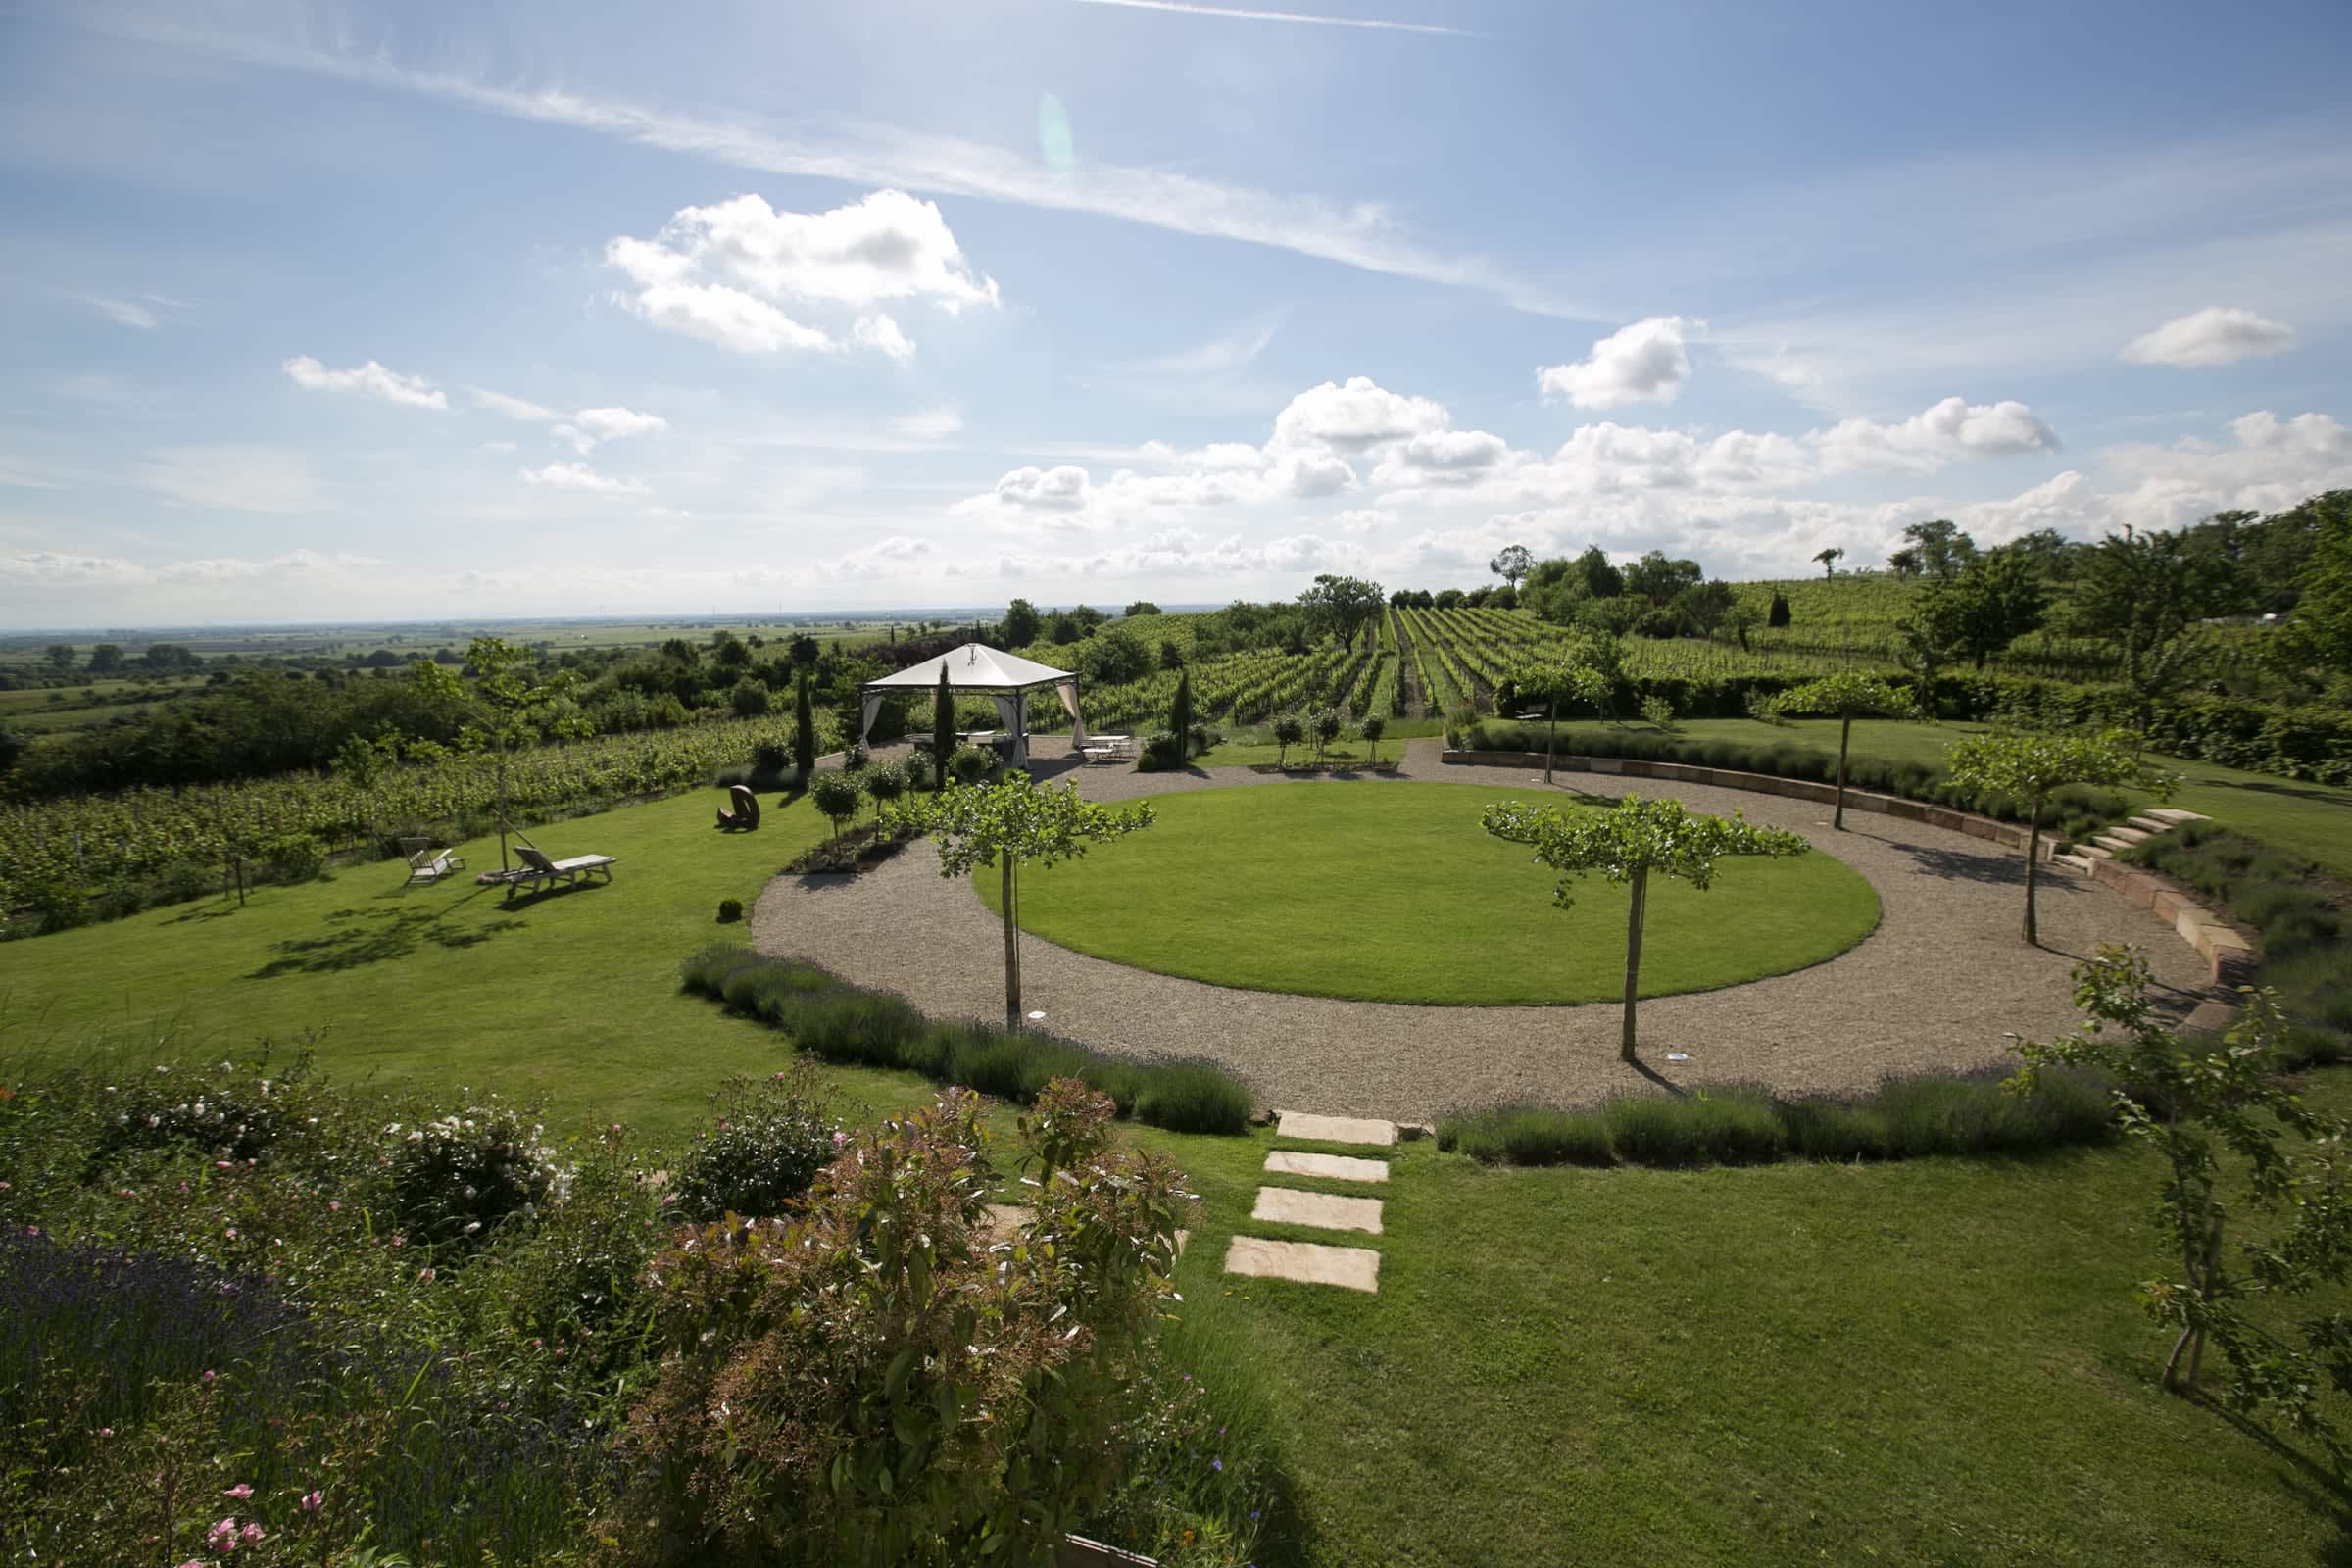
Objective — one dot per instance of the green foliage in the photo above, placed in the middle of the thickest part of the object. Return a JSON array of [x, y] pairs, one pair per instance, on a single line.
[[1658, 714], [818, 1368], [836, 793], [2296, 920], [970, 764], [2237, 1144], [1180, 716], [768, 1140], [295, 857], [730, 910], [1723, 1128], [2026, 767], [843, 1023], [457, 1178], [1906, 1117], [1372, 727], [1632, 838], [1325, 725], [1289, 731], [804, 729]]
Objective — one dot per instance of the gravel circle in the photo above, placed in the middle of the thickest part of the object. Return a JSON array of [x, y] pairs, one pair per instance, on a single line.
[[1942, 984]]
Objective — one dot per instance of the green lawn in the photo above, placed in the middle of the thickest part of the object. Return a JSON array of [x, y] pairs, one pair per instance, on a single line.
[[570, 996], [1254, 748], [2313, 820], [1393, 893], [1939, 1362]]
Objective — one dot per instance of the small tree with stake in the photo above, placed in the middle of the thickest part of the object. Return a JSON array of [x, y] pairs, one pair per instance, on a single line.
[[2029, 767], [1288, 732], [1847, 695], [2227, 1123], [1004, 825], [1626, 843], [836, 795], [1557, 683]]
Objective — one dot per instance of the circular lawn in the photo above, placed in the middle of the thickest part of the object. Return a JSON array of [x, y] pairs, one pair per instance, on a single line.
[[1395, 893]]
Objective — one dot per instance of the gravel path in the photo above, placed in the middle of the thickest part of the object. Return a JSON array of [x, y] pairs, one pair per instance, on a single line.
[[1939, 985]]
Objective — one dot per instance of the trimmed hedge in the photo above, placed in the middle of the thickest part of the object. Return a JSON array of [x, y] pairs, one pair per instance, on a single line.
[[1904, 1118], [2291, 740], [2295, 915], [2076, 811], [845, 1023]]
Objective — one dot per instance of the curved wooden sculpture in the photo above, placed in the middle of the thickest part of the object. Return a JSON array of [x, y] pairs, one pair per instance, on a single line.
[[745, 814]]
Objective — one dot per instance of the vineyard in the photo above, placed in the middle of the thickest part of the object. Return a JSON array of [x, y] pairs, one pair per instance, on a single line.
[[97, 843]]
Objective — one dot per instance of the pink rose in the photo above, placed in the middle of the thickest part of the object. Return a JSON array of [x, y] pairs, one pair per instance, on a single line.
[[241, 1490]]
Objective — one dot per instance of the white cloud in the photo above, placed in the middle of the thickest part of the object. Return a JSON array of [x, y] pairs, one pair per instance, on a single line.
[[727, 317], [929, 424], [122, 313], [580, 476], [1059, 489], [889, 558], [234, 479], [1355, 418], [586, 429], [1296, 18], [518, 409], [1925, 442], [2219, 334], [878, 331], [722, 273], [1645, 363], [370, 379]]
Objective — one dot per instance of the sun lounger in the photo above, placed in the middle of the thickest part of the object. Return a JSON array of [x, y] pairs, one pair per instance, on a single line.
[[1108, 748], [540, 871]]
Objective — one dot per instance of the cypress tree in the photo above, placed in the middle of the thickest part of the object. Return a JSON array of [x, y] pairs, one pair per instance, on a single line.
[[804, 732], [943, 728], [1180, 718], [1779, 616]]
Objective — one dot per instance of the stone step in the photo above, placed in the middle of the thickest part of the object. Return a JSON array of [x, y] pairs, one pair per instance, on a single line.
[[1332, 1167], [2174, 815], [1354, 1268], [2092, 852], [2130, 835], [1326, 1211], [1333, 1128], [2150, 826], [2077, 863], [2111, 842]]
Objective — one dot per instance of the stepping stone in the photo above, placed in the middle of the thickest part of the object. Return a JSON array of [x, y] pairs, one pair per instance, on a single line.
[[1287, 1206], [2209, 1018], [1354, 1268], [1335, 1129], [1333, 1168], [2174, 815]]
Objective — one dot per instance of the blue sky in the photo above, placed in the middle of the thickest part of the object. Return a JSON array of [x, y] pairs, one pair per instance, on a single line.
[[321, 312]]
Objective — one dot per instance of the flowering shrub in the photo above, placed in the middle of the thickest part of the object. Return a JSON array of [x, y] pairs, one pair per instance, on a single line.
[[455, 1179], [229, 1112], [772, 1139], [877, 1379]]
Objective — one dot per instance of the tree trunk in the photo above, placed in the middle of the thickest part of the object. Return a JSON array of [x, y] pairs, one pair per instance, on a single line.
[[1633, 957], [1013, 951], [1845, 730], [2032, 867]]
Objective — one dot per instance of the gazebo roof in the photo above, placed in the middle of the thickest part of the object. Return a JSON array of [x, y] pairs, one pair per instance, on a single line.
[[973, 667]]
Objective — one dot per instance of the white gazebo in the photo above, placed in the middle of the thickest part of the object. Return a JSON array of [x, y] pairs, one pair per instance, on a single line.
[[1005, 677]]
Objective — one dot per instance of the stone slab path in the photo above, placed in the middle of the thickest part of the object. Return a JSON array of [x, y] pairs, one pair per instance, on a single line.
[[1355, 1268], [1939, 985], [1333, 1168]]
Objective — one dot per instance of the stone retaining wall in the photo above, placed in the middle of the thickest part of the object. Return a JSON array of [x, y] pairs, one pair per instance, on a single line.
[[2230, 955]]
